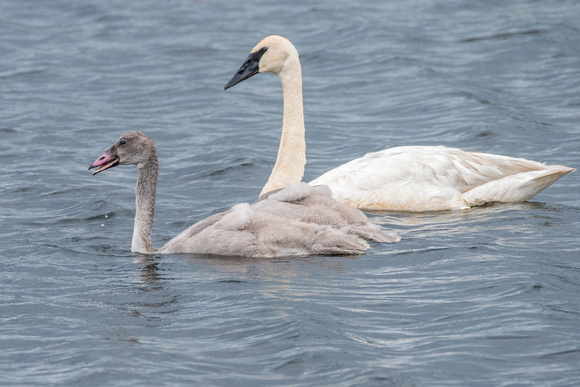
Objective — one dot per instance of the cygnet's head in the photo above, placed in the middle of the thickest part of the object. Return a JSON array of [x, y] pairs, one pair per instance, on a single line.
[[133, 148], [268, 56]]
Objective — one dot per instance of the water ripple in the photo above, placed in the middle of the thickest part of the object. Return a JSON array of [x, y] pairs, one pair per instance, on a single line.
[[480, 297]]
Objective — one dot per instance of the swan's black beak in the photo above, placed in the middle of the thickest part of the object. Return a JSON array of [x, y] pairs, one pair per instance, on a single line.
[[250, 68], [107, 160]]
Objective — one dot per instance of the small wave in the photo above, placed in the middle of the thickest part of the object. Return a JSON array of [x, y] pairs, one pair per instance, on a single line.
[[505, 35]]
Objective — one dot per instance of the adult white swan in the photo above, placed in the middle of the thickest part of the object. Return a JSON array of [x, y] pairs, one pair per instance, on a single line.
[[295, 221], [408, 178]]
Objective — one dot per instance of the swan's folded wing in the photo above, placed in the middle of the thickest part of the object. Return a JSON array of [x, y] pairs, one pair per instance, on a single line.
[[418, 178]]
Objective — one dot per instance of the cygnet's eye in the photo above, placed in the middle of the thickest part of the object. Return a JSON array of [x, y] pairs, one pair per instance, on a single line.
[[123, 142]]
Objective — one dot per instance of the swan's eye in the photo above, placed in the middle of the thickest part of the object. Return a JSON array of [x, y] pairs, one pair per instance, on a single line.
[[123, 142]]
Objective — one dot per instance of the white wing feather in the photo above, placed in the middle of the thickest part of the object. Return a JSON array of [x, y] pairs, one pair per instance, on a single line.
[[432, 178]]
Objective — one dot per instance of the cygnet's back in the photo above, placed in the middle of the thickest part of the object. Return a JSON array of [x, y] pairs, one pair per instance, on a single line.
[[297, 220]]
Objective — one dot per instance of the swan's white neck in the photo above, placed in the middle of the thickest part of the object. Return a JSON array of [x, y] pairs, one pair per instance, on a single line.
[[291, 158], [145, 192]]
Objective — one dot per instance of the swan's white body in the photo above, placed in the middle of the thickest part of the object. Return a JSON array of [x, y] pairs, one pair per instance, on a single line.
[[295, 221], [433, 178], [406, 178]]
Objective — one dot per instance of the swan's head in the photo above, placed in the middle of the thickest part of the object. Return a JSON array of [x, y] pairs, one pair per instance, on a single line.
[[271, 55], [133, 148]]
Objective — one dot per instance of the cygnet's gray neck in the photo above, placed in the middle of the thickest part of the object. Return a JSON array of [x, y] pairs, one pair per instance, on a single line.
[[145, 193]]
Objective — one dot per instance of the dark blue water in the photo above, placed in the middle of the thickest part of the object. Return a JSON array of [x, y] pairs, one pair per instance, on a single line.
[[483, 297]]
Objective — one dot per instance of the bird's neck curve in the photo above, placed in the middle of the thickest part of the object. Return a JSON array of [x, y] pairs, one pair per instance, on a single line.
[[145, 192], [291, 157]]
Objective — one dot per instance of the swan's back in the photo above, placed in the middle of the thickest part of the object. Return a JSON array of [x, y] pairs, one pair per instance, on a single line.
[[428, 178], [296, 221]]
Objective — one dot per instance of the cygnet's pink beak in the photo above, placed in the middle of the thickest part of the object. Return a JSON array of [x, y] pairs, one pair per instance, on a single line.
[[105, 161]]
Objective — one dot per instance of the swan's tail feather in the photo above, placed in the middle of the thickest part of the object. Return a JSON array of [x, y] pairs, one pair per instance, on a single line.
[[516, 188], [555, 172]]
